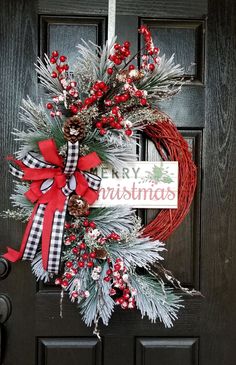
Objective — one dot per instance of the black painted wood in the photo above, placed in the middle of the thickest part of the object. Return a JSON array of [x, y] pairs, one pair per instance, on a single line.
[[201, 251]]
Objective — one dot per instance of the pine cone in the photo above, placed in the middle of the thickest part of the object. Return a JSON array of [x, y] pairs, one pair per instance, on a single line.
[[74, 129], [77, 206], [101, 253]]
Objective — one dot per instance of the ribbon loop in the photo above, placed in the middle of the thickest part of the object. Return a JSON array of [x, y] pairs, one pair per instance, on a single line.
[[51, 185]]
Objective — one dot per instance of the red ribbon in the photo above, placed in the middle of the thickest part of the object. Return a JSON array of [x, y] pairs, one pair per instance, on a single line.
[[54, 198]]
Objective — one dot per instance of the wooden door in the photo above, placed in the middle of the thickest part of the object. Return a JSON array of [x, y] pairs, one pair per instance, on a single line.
[[201, 252]]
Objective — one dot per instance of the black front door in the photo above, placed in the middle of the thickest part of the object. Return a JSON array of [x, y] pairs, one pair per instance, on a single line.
[[201, 252]]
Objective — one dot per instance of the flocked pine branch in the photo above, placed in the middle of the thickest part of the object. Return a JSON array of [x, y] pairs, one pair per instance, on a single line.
[[114, 219], [99, 304], [113, 149], [93, 62], [155, 300], [38, 270], [44, 70], [19, 200], [136, 251], [39, 126], [164, 82]]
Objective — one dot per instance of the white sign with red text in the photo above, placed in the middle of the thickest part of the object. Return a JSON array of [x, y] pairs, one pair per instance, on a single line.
[[140, 185]]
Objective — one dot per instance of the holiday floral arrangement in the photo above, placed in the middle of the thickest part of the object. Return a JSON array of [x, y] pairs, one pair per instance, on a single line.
[[102, 257]]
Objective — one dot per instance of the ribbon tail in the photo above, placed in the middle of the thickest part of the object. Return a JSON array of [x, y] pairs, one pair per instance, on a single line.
[[52, 238], [30, 239]]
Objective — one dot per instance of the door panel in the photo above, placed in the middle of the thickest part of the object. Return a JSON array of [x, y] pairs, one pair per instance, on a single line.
[[43, 330]]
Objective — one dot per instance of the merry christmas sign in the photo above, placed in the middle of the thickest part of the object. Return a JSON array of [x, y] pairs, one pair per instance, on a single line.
[[139, 185]]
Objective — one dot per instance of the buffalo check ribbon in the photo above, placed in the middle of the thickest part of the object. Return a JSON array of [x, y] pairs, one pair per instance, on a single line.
[[52, 181]]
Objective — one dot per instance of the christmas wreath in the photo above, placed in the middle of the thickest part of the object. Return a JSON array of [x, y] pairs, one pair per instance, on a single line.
[[102, 257]]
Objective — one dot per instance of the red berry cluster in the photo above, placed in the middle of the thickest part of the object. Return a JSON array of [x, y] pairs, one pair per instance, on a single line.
[[112, 121], [60, 65], [151, 50], [97, 91], [120, 54], [117, 274]]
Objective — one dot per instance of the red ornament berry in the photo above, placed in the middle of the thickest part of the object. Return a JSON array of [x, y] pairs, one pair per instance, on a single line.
[[53, 60], [151, 67], [92, 225], [72, 237], [116, 46], [138, 93], [82, 246], [115, 110], [68, 275], [110, 70], [107, 279], [98, 125], [128, 132], [74, 109], [126, 44], [69, 264], [67, 225], [75, 250], [102, 132], [90, 264], [58, 281], [109, 272], [81, 264], [131, 67], [121, 300], [117, 267], [55, 54], [85, 256], [64, 283], [102, 85], [86, 223], [92, 255], [126, 296], [54, 75], [66, 67], [63, 58], [49, 106], [143, 101]]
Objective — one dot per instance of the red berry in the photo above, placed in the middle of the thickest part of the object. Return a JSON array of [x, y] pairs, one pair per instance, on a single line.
[[126, 296], [85, 223], [74, 109], [67, 225], [115, 110], [131, 67], [75, 250], [55, 54], [87, 101], [117, 267], [90, 264], [92, 255], [109, 272], [121, 300], [69, 264], [111, 119], [116, 46], [82, 246], [66, 67], [68, 275], [138, 93], [85, 256], [128, 132], [99, 125], [143, 101], [102, 132], [122, 98], [102, 85], [53, 60], [58, 281], [117, 61], [81, 264], [54, 74], [126, 44], [92, 225], [72, 237], [99, 93], [63, 58], [107, 279], [151, 67], [65, 283], [127, 53], [110, 70], [49, 106], [117, 99]]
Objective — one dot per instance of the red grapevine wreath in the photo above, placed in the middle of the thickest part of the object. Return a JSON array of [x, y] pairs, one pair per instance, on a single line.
[[93, 117]]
